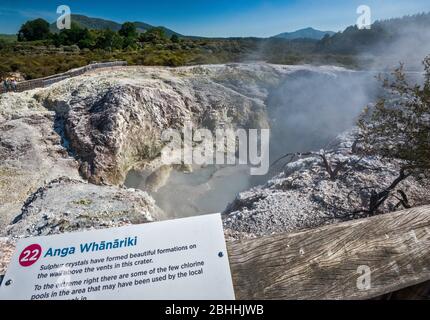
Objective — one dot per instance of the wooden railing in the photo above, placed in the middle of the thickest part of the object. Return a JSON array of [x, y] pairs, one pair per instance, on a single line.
[[45, 82], [360, 259]]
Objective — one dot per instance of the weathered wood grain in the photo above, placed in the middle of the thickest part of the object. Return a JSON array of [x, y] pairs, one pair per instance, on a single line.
[[324, 263]]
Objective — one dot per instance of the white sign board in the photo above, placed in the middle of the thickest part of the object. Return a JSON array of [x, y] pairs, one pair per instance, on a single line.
[[184, 259]]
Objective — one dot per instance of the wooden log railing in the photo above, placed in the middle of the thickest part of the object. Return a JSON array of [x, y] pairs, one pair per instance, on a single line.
[[360, 259]]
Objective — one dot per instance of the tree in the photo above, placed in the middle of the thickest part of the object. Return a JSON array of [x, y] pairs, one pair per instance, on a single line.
[[174, 38], [3, 44], [88, 40], [128, 30], [154, 35], [75, 35], [399, 127], [34, 30], [109, 40], [129, 35]]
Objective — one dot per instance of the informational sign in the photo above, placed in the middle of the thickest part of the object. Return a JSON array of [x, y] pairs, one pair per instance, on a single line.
[[184, 259]]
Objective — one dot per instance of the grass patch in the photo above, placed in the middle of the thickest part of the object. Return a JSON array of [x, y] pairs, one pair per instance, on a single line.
[[83, 202]]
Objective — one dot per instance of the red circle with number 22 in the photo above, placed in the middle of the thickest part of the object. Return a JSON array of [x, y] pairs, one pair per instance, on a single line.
[[30, 255]]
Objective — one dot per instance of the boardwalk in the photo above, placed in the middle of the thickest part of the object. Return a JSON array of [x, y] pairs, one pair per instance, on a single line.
[[45, 82]]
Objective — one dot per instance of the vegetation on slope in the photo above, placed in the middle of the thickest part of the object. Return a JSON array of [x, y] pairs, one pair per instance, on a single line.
[[42, 51]]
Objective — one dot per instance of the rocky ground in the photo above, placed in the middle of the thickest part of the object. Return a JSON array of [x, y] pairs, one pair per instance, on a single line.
[[30, 153], [303, 195], [66, 205], [7, 247], [65, 152], [96, 127]]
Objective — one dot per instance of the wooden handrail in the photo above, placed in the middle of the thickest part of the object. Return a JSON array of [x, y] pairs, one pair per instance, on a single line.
[[359, 259]]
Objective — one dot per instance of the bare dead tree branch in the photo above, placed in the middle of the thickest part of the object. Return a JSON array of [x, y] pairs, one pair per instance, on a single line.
[[403, 201]]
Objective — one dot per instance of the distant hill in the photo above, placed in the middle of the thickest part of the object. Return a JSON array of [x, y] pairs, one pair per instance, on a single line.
[[411, 32], [102, 24], [307, 33]]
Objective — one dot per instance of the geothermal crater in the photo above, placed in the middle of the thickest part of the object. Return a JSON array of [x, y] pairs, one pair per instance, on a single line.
[[305, 110], [85, 152]]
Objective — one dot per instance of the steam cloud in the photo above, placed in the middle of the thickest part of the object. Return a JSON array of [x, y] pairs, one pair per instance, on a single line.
[[311, 108]]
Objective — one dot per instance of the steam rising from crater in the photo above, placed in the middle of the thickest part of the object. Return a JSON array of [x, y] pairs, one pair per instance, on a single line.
[[409, 46], [306, 110], [309, 109]]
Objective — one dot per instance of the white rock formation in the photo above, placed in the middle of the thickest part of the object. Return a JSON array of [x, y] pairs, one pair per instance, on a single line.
[[66, 205], [304, 196], [98, 126]]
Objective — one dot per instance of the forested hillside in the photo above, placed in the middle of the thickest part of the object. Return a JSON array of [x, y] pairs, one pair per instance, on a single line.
[[41, 50]]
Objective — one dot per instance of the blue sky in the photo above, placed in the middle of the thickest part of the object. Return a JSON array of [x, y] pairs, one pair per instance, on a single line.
[[222, 18]]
